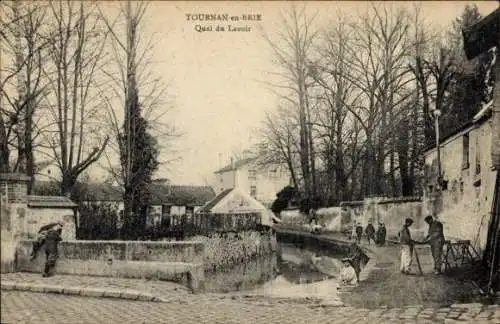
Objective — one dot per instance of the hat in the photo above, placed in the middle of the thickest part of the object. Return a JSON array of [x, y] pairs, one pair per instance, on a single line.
[[408, 220], [428, 218]]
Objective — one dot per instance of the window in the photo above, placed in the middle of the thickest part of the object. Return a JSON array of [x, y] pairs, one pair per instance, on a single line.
[[166, 209], [273, 173], [465, 156], [253, 191], [252, 175]]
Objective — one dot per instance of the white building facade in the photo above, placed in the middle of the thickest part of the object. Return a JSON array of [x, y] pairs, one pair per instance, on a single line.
[[262, 183]]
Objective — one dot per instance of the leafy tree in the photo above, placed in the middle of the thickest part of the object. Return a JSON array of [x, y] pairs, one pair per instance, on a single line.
[[283, 198], [470, 87], [139, 155]]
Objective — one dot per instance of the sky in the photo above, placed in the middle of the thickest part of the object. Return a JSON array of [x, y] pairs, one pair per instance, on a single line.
[[216, 78]]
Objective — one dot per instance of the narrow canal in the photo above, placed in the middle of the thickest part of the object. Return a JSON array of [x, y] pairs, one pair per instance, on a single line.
[[290, 272]]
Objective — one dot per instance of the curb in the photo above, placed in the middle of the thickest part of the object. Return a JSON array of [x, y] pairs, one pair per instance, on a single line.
[[80, 291]]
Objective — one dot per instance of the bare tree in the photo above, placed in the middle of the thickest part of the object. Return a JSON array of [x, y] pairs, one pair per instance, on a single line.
[[279, 142], [76, 45], [22, 35], [293, 50], [337, 96], [380, 70], [132, 65], [134, 87]]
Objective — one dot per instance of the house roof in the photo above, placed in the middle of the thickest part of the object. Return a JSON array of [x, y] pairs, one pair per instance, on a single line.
[[50, 202], [161, 193], [482, 113], [104, 192], [181, 195], [478, 119], [212, 203], [236, 165]]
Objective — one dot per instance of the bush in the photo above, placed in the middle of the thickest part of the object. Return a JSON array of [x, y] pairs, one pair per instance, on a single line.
[[98, 221]]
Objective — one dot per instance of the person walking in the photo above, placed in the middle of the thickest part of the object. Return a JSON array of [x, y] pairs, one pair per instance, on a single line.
[[52, 240], [370, 233], [435, 237], [359, 233], [406, 243]]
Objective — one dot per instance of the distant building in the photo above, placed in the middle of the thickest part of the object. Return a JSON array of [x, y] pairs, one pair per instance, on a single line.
[[235, 201], [465, 200], [167, 200], [262, 183]]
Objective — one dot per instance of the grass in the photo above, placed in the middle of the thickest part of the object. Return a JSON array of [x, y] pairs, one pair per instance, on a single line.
[[386, 286]]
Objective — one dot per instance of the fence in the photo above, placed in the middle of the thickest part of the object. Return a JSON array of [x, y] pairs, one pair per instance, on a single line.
[[180, 226]]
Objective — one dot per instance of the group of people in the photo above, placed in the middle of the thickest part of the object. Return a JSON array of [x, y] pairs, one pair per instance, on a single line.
[[435, 238], [378, 237], [48, 237]]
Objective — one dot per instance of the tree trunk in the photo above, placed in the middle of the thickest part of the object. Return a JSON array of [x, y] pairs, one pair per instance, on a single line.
[[403, 149]]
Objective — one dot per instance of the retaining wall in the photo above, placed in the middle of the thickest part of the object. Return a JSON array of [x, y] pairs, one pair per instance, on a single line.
[[174, 261]]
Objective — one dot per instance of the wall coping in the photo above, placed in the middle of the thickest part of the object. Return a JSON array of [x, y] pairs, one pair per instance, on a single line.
[[188, 243], [381, 200], [50, 202], [14, 177]]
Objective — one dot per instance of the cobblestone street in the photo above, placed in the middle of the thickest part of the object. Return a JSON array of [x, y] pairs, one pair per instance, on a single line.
[[27, 307]]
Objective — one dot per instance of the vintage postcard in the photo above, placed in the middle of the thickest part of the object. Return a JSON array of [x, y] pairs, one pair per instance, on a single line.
[[249, 161]]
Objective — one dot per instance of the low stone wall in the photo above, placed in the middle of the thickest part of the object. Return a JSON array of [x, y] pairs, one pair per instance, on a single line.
[[313, 242], [391, 211], [224, 251], [332, 219], [174, 261]]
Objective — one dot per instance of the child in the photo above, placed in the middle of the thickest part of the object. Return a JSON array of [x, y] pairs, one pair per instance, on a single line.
[[40, 240], [348, 276]]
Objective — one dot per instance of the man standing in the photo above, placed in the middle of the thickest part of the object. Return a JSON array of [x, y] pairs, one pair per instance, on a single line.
[[435, 238], [381, 234], [359, 232], [406, 246], [370, 232], [52, 240]]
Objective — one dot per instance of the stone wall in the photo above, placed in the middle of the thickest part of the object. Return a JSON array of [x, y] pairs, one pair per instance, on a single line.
[[333, 219], [14, 198], [464, 206], [391, 211], [223, 251], [37, 217], [13, 208], [495, 143], [174, 261]]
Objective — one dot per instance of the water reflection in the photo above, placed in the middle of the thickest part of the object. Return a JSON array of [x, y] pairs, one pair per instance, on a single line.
[[288, 272]]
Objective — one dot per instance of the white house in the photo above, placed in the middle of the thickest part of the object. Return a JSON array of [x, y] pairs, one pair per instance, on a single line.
[[262, 183], [464, 201], [237, 201]]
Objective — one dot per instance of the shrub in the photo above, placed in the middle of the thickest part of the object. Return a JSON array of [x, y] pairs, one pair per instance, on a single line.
[[98, 221]]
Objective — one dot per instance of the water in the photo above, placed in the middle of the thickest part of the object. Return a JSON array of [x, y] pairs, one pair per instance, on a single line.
[[289, 273]]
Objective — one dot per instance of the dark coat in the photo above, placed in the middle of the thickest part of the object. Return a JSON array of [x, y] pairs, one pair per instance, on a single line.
[[51, 242], [370, 230], [381, 234]]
